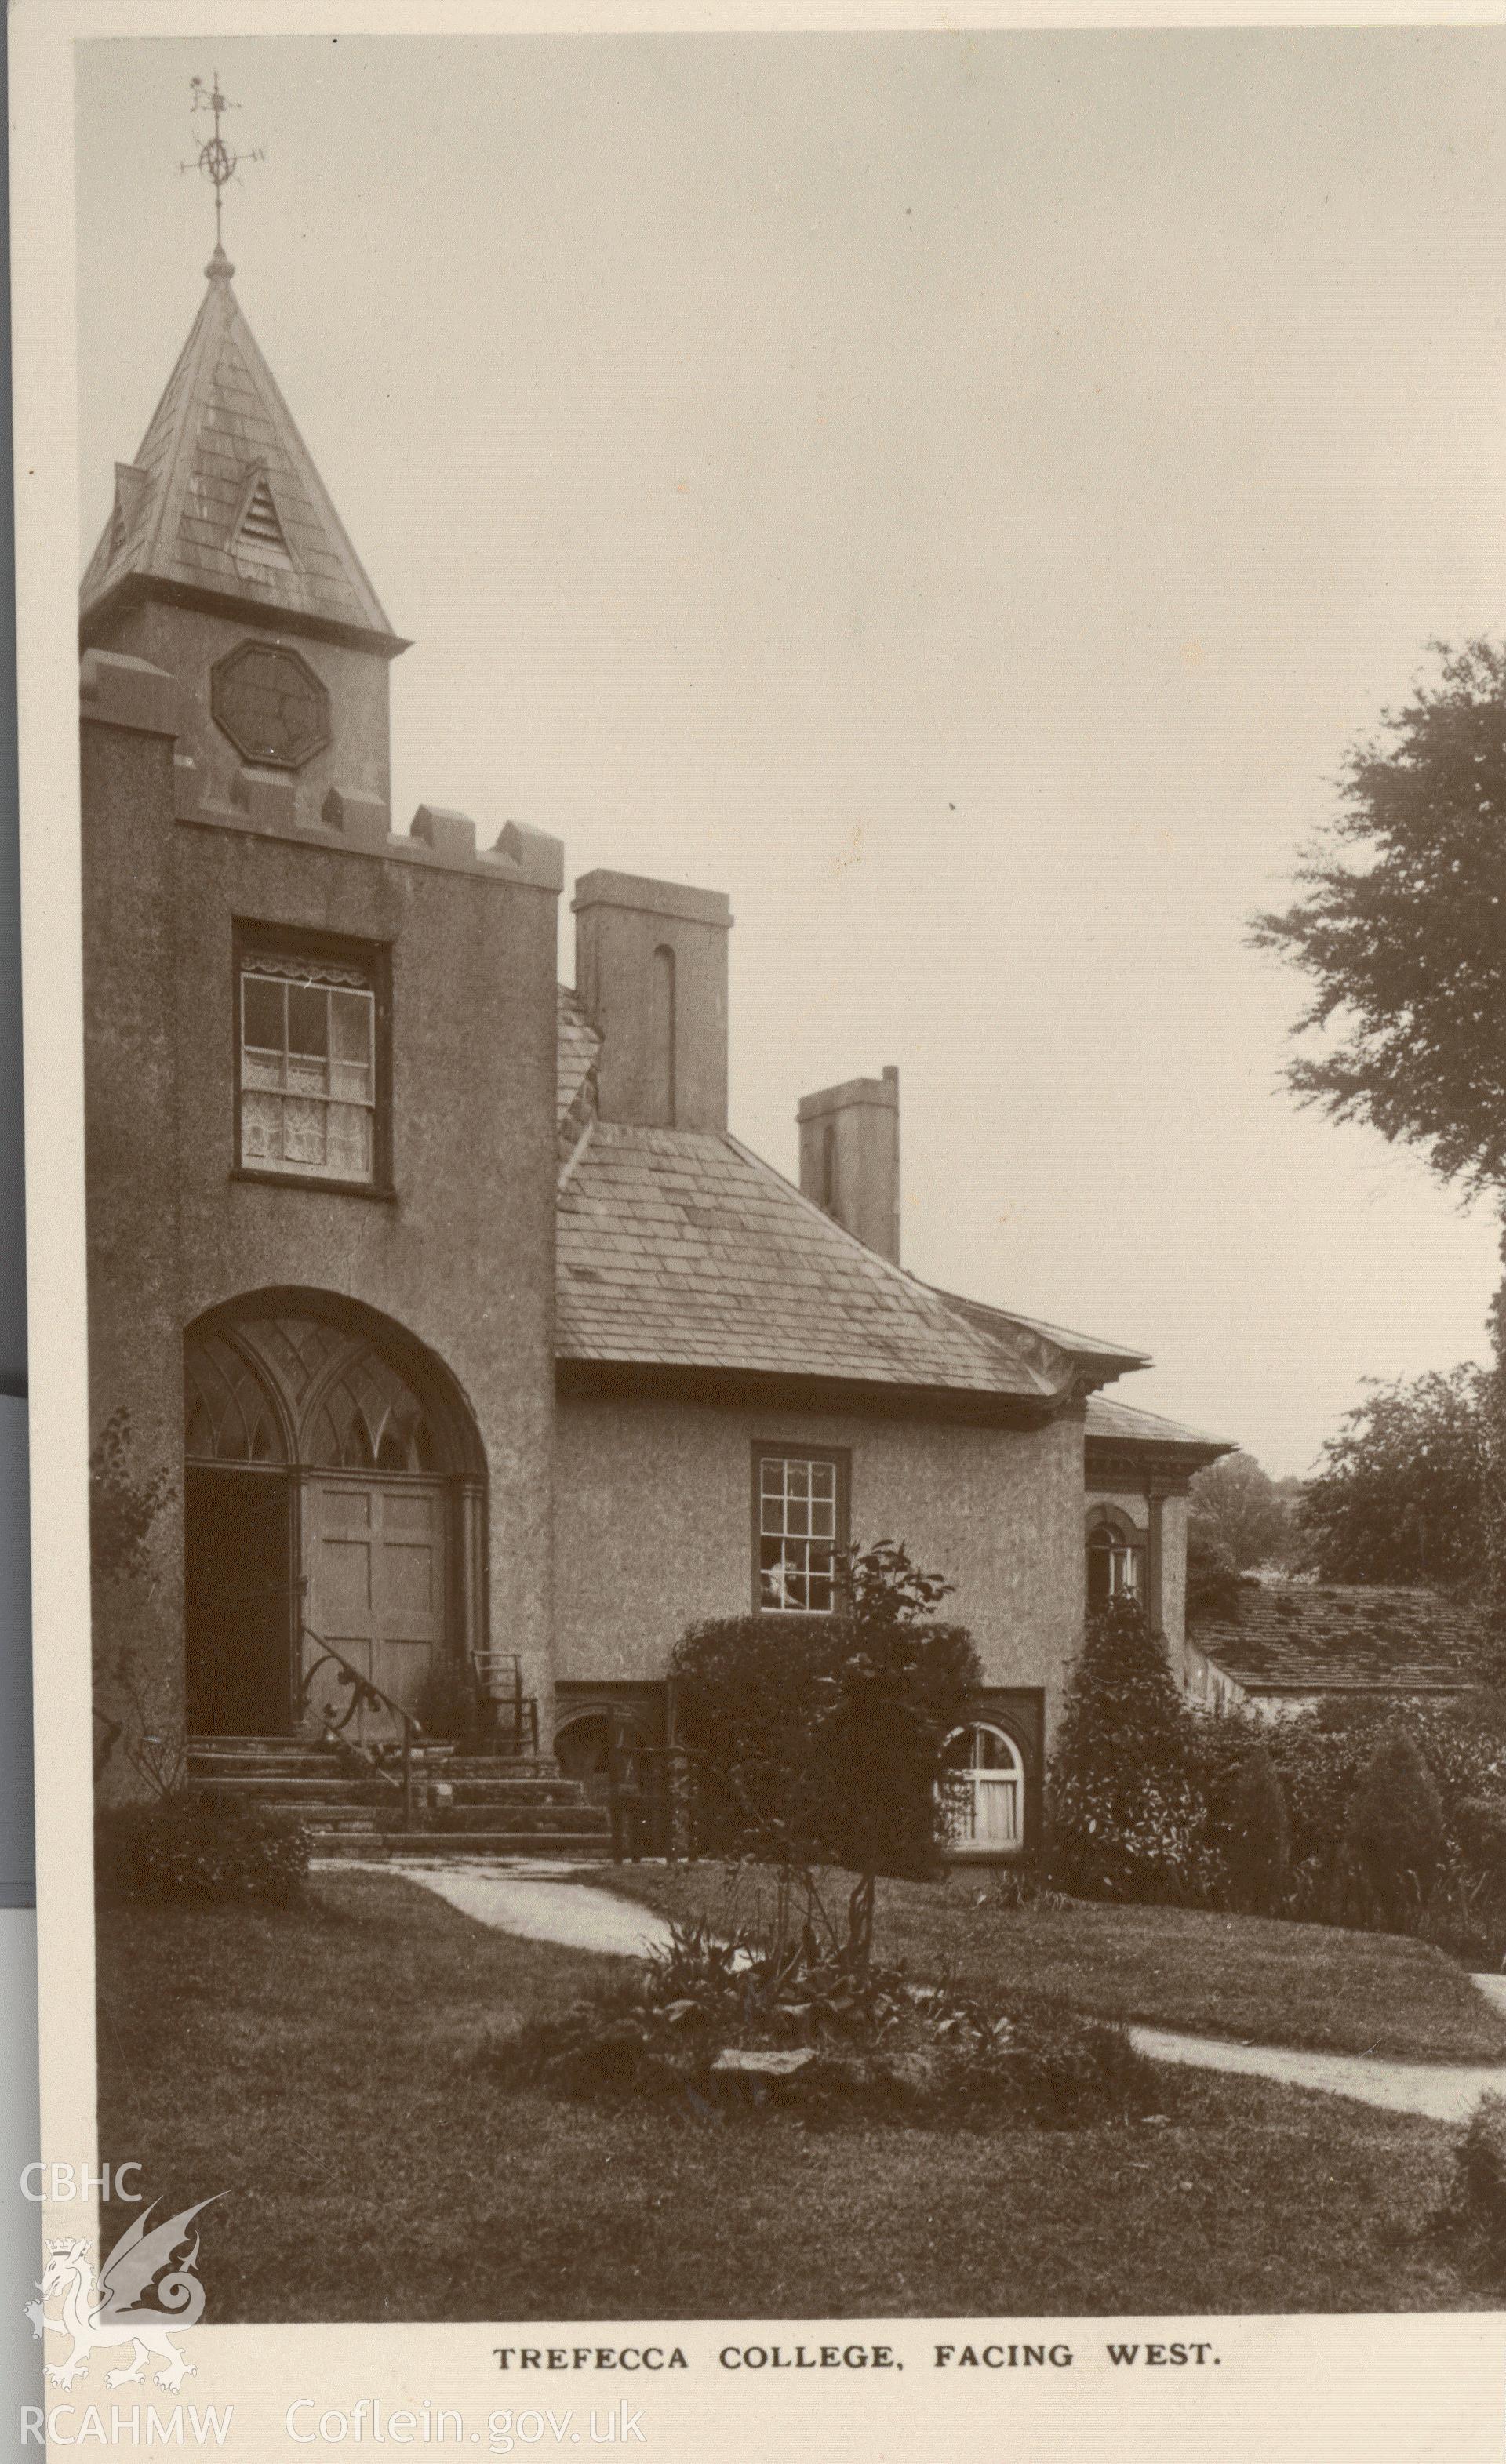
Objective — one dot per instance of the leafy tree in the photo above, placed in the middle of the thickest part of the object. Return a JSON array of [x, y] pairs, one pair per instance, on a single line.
[[1402, 928], [901, 1684], [822, 1741], [1214, 1581], [1235, 1502], [1401, 1494]]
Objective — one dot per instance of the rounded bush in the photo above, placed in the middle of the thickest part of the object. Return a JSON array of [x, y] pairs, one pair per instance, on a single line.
[[180, 1849]]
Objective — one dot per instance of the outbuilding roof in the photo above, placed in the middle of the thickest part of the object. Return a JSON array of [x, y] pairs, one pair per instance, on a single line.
[[1328, 1638]]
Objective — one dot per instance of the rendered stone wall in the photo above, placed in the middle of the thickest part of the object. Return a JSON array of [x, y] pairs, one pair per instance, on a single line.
[[655, 1526], [461, 1254]]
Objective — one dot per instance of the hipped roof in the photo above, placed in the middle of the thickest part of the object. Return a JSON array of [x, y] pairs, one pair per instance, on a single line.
[[681, 1250]]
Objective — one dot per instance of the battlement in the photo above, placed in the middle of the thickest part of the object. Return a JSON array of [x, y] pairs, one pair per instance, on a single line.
[[131, 693]]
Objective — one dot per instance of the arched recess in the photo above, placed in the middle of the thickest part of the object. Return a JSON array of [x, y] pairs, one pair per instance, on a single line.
[[334, 1485], [583, 1745], [1116, 1558]]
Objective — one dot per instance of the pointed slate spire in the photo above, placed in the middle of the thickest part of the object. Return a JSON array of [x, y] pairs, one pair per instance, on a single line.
[[223, 502]]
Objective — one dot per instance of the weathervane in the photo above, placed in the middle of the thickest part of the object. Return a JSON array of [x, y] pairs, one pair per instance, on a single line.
[[214, 157]]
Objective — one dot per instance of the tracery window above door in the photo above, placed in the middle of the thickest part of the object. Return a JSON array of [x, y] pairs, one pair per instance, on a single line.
[[369, 1420], [228, 1415], [350, 1408]]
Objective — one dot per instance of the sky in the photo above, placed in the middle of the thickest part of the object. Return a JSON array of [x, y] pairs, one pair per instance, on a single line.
[[959, 493]]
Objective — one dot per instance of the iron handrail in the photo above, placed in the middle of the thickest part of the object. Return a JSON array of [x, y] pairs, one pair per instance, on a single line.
[[364, 1689]]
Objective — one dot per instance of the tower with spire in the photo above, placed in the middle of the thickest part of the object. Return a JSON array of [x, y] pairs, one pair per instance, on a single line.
[[320, 1107], [221, 533]]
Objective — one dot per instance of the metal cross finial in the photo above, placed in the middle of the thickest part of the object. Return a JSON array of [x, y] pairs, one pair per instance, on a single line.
[[215, 160]]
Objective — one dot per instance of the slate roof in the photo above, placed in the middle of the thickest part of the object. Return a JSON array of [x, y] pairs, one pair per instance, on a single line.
[[1326, 1638], [1010, 1326], [682, 1249], [1119, 1424], [220, 420], [579, 1043]]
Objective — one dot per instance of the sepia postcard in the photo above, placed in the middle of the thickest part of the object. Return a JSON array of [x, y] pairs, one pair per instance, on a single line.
[[763, 789]]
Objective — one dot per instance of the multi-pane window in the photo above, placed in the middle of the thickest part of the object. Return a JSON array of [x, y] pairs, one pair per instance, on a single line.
[[1113, 1567], [307, 1068], [798, 1536]]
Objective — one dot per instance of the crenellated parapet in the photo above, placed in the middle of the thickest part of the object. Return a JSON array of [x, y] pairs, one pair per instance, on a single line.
[[121, 691]]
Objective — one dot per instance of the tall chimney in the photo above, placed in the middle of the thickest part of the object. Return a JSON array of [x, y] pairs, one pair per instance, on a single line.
[[650, 969], [850, 1157]]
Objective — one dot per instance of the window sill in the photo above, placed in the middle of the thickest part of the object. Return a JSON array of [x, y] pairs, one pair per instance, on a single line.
[[307, 1180]]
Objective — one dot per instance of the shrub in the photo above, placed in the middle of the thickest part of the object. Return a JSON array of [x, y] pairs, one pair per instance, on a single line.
[[1396, 1824], [822, 1741], [1259, 1850], [1128, 1821], [745, 1703], [1478, 2193], [179, 1849], [883, 2049], [1480, 1826]]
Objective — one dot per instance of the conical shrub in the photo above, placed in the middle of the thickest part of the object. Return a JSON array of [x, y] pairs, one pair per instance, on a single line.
[[1260, 1847], [1396, 1826]]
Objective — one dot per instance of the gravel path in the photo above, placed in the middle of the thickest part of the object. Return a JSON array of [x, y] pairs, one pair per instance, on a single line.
[[542, 1903]]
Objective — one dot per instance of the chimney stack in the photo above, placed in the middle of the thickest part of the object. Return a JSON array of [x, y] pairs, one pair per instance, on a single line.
[[850, 1157], [650, 970]]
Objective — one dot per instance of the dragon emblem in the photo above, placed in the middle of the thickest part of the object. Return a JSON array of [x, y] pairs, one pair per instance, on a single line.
[[147, 2292]]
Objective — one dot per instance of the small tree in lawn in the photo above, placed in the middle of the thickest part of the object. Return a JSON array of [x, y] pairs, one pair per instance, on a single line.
[[1260, 1848], [822, 1740], [1396, 1825], [902, 1684], [1125, 1821]]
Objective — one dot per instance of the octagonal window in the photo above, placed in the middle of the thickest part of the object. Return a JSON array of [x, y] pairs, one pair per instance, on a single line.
[[269, 703]]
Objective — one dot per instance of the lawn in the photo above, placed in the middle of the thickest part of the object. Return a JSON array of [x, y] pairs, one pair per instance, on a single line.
[[326, 2069], [1251, 1978]]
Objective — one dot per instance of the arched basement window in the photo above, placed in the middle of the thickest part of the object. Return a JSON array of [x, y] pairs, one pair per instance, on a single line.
[[982, 1800]]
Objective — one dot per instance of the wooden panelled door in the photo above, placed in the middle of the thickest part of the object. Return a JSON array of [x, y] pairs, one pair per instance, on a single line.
[[374, 1557]]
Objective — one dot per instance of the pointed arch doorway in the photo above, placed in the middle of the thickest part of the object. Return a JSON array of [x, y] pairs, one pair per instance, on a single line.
[[333, 1495]]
